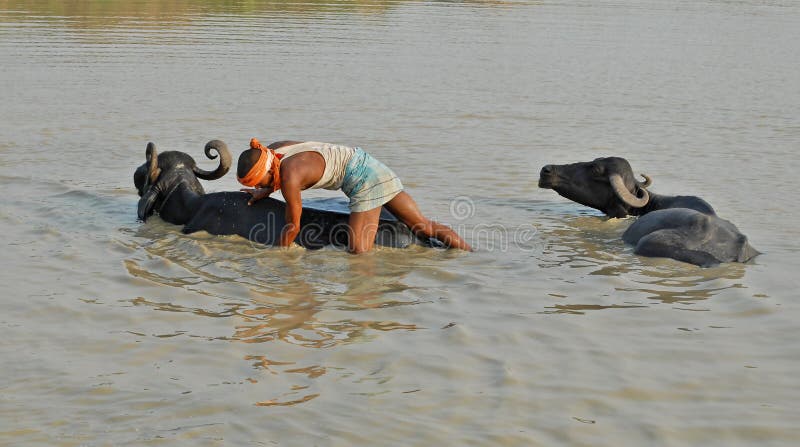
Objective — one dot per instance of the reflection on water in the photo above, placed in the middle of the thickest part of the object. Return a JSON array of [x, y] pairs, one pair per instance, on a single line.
[[105, 13], [586, 241], [287, 295], [680, 295], [594, 244], [307, 300], [580, 309]]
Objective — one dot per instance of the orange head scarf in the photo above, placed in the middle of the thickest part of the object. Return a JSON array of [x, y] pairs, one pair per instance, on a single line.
[[267, 160]]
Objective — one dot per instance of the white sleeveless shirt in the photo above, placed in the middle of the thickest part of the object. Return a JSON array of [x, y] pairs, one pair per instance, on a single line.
[[336, 158]]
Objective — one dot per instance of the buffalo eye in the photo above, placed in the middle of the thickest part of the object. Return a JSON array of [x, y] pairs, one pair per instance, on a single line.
[[597, 170]]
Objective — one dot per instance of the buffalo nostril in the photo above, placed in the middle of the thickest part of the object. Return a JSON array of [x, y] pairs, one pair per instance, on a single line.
[[547, 177]]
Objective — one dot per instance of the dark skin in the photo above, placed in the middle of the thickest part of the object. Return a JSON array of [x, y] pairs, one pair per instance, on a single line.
[[302, 171]]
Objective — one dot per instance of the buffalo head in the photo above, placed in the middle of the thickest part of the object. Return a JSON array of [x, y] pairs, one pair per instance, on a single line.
[[163, 174], [605, 184]]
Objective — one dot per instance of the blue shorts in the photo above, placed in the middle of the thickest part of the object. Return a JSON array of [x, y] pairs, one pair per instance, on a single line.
[[369, 183]]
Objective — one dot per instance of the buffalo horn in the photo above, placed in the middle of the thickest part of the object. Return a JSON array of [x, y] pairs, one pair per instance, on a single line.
[[224, 161], [152, 160], [622, 192], [647, 181]]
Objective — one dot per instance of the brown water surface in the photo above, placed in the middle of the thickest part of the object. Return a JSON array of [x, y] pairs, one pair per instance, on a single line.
[[115, 332]]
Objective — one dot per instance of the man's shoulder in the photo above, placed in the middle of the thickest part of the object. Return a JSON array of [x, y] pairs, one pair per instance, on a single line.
[[282, 143]]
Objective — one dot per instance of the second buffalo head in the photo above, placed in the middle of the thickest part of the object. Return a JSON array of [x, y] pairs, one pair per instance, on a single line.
[[606, 184]]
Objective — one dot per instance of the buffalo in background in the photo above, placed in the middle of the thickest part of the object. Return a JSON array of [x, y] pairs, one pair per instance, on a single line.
[[685, 228], [168, 185]]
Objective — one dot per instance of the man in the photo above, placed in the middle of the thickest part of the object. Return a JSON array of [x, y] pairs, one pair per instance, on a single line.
[[293, 166]]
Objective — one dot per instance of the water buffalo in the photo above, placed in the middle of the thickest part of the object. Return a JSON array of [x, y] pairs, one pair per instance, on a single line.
[[168, 185], [685, 228]]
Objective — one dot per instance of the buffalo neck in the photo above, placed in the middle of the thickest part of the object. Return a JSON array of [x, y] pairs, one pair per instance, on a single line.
[[656, 202], [660, 202], [180, 203]]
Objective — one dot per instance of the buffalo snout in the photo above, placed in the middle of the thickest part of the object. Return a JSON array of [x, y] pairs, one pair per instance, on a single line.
[[547, 176]]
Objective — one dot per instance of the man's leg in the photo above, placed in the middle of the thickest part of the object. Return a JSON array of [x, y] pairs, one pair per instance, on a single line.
[[362, 229], [405, 209]]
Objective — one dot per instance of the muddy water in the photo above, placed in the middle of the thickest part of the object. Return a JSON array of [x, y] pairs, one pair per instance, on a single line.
[[115, 332]]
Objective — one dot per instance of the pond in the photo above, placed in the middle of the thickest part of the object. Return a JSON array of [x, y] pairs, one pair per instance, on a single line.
[[552, 332]]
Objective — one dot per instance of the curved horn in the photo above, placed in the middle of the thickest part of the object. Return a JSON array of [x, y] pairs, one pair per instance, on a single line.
[[622, 192], [152, 163], [647, 181], [224, 161]]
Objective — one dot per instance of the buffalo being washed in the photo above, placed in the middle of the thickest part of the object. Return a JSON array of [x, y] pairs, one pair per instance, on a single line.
[[168, 185], [684, 228]]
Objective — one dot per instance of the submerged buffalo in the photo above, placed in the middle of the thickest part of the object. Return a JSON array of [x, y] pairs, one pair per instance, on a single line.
[[685, 228], [168, 185]]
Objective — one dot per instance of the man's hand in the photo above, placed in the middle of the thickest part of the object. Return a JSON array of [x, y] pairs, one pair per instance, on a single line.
[[256, 194]]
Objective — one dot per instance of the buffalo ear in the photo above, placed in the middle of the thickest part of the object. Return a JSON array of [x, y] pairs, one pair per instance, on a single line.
[[146, 203]]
